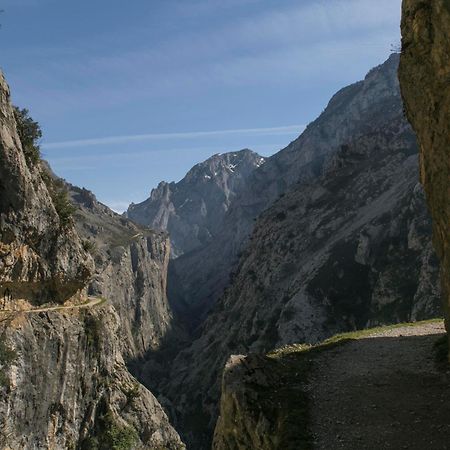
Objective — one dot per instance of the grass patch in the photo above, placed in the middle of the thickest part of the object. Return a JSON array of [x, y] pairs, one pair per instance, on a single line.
[[345, 337]]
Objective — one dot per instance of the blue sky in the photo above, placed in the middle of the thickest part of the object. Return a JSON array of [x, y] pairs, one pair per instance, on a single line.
[[132, 93]]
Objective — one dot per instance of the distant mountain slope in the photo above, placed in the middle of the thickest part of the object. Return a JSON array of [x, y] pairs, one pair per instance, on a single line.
[[193, 209], [354, 111], [346, 248]]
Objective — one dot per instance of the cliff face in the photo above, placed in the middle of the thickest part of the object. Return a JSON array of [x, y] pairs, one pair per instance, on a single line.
[[68, 386], [354, 111], [63, 379], [41, 258], [347, 250], [424, 76], [193, 209], [131, 272]]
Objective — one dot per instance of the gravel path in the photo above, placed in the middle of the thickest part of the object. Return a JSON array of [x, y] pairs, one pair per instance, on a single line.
[[382, 392], [92, 301]]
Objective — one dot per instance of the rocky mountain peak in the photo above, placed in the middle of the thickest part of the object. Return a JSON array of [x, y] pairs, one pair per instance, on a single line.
[[192, 209]]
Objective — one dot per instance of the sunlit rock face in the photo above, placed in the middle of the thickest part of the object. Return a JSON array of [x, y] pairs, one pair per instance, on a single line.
[[131, 264], [41, 259], [424, 76], [64, 383]]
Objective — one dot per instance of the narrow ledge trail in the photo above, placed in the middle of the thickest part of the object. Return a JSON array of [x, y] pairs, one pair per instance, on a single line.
[[92, 301], [383, 391]]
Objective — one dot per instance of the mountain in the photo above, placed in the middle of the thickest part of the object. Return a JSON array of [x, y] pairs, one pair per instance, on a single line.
[[63, 378], [355, 111], [193, 209], [346, 247], [424, 75]]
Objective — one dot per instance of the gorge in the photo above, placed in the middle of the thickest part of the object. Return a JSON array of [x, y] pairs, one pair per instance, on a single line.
[[212, 314]]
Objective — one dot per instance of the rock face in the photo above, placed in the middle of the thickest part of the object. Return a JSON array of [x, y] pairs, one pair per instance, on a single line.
[[248, 416], [40, 257], [131, 272], [344, 250], [192, 210], [424, 76], [68, 387], [63, 379], [355, 111]]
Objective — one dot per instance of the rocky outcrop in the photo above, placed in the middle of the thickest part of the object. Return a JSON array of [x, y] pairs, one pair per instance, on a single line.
[[424, 76], [41, 258], [355, 111], [67, 386], [63, 378], [131, 272], [193, 209], [347, 250], [343, 393], [262, 405]]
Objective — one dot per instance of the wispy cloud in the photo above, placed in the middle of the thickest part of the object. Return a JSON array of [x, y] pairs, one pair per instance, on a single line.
[[272, 131], [278, 45]]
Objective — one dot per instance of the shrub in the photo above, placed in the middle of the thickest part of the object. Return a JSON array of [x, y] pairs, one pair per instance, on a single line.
[[63, 207], [132, 393], [60, 197], [117, 437], [89, 246], [29, 133]]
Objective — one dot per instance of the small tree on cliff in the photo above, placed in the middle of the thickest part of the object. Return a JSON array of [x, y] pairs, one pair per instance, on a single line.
[[29, 133]]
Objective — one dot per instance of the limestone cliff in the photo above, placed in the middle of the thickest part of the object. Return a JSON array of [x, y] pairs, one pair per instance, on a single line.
[[63, 379], [131, 271], [41, 258], [425, 82], [68, 387]]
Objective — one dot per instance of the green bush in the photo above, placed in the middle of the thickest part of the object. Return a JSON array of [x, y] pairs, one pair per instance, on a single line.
[[29, 133], [108, 434], [63, 207], [60, 197], [116, 437], [89, 246]]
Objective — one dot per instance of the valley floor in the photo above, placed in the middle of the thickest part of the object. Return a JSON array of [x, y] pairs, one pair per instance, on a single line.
[[384, 391]]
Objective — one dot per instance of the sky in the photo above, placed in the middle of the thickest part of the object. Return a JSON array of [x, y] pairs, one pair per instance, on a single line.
[[132, 93]]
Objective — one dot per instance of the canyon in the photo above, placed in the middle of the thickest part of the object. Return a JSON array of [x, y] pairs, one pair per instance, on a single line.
[[204, 316]]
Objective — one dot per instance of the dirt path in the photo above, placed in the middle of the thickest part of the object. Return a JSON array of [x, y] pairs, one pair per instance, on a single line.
[[92, 301], [381, 392]]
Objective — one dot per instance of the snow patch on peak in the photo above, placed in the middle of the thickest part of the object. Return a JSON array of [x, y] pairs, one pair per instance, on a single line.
[[260, 162]]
